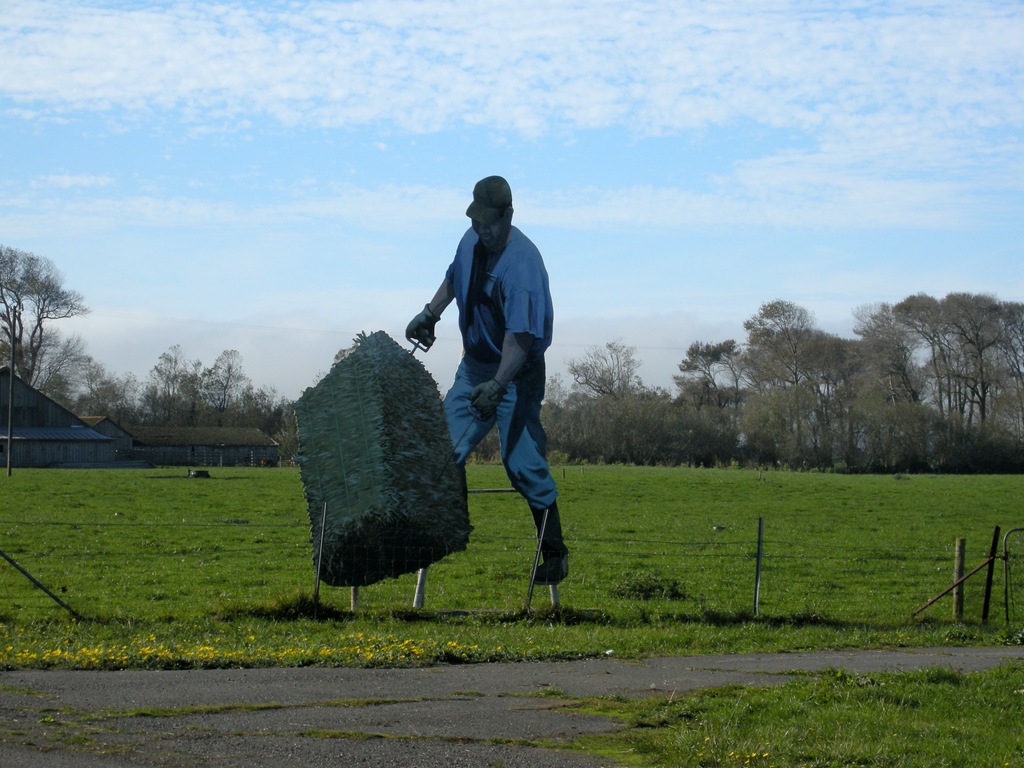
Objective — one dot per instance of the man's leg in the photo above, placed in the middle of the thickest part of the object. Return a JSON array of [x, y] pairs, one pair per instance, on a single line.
[[555, 564], [523, 451], [465, 428]]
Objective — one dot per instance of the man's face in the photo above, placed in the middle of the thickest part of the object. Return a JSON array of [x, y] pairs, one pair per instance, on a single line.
[[494, 236]]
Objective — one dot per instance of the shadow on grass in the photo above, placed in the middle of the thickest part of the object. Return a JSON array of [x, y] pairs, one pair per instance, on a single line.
[[294, 608], [303, 607]]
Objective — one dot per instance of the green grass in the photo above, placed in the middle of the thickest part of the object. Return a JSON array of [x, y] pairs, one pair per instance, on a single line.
[[169, 572], [924, 719]]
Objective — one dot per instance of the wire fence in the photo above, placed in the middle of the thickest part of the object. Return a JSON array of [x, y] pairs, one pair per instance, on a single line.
[[170, 570]]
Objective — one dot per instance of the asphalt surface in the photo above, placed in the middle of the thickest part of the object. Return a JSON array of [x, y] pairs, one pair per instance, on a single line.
[[491, 715]]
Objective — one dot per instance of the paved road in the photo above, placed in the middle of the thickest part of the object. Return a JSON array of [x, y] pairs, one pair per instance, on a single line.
[[438, 717]]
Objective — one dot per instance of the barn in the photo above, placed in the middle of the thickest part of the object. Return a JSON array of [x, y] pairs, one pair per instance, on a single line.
[[39, 432], [123, 441], [203, 446]]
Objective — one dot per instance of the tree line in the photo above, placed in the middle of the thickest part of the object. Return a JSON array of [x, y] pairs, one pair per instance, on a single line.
[[928, 384]]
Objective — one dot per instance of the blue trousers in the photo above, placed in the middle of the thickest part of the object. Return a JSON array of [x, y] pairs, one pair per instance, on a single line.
[[523, 442]]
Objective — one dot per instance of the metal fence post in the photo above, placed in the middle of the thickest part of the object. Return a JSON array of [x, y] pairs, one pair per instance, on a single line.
[[757, 569], [958, 574], [993, 552]]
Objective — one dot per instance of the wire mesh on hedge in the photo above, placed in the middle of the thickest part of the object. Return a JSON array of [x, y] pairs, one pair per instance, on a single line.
[[374, 445]]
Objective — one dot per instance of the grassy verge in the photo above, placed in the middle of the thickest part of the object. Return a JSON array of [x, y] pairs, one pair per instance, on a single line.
[[925, 719]]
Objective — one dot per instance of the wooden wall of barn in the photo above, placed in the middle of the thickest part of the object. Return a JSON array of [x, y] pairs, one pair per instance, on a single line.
[[32, 409], [207, 455], [52, 453]]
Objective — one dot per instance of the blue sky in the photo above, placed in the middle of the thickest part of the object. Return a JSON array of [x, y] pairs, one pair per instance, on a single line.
[[275, 177]]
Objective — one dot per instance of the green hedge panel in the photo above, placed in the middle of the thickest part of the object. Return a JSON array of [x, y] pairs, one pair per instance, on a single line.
[[374, 445]]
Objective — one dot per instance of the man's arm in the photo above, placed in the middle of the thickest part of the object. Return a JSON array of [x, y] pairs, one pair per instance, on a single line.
[[514, 349], [442, 298], [421, 329]]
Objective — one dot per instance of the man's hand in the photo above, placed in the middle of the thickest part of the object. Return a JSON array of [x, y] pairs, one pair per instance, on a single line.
[[486, 397], [421, 329]]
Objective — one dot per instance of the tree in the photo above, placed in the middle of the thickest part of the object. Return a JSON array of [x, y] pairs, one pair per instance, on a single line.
[[922, 315], [32, 295], [62, 367], [834, 370], [1012, 355], [609, 371], [172, 396], [779, 359], [711, 374], [976, 322], [224, 382], [890, 353], [104, 394], [778, 339]]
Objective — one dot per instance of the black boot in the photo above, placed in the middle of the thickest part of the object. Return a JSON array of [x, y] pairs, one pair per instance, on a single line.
[[555, 554]]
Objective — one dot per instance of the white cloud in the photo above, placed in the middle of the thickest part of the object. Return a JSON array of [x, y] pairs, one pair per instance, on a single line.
[[65, 181], [879, 90], [658, 65]]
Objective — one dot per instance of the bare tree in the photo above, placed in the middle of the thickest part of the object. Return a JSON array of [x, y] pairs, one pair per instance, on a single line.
[[61, 368], [890, 352], [779, 361], [104, 394], [778, 344], [1012, 354], [835, 367], [224, 382], [609, 371], [172, 395], [977, 324], [711, 374], [32, 295], [962, 334]]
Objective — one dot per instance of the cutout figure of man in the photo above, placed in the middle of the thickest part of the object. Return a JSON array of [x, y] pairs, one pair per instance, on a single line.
[[500, 285]]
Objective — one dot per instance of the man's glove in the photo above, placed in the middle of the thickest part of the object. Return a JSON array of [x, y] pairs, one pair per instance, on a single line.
[[421, 329], [486, 397]]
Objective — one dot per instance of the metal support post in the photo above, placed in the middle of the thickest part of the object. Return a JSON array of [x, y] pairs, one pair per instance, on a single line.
[[421, 586], [536, 558], [993, 552], [319, 556], [39, 585], [959, 549], [757, 567]]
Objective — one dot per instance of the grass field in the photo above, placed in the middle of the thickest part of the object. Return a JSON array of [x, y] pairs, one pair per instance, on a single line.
[[926, 719], [170, 572]]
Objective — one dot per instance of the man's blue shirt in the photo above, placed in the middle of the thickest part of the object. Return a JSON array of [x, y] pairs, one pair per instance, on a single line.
[[516, 298]]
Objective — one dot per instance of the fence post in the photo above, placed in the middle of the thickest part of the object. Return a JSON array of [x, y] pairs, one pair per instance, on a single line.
[[757, 569], [993, 552], [319, 558], [958, 574], [421, 588]]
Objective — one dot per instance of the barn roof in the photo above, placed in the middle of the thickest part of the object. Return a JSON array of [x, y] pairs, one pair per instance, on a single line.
[[62, 434], [104, 425]]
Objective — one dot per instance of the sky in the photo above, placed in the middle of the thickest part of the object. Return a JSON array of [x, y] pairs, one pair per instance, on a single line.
[[277, 177]]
